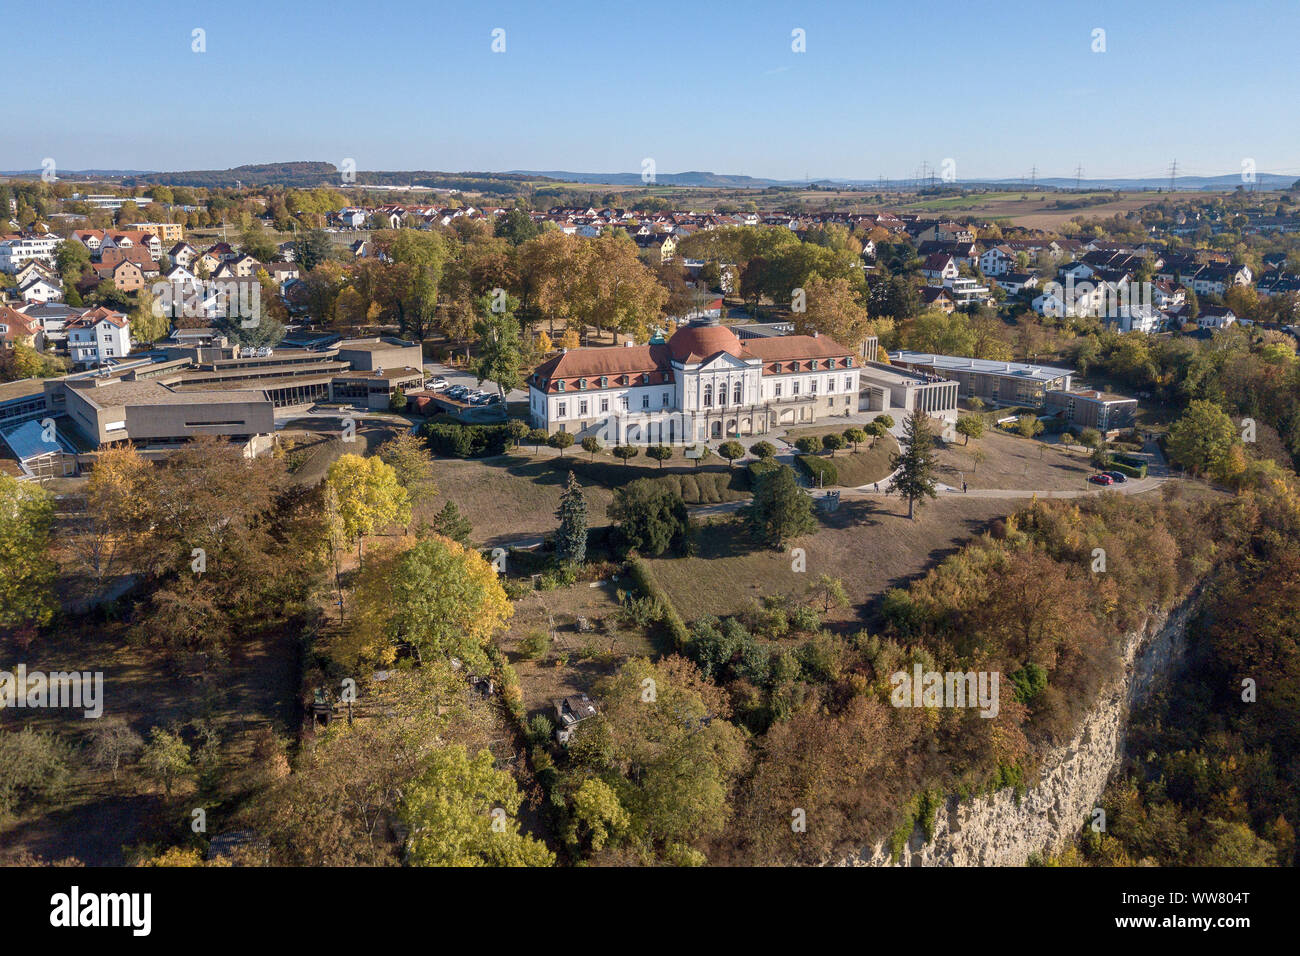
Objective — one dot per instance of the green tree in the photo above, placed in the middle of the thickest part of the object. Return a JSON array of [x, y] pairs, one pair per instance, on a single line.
[[596, 818], [626, 452], [27, 568], [662, 743], [780, 510], [809, 444], [1202, 439], [855, 436], [450, 523], [500, 355], [411, 460], [970, 426], [731, 450], [833, 443], [460, 812], [560, 441], [446, 601], [763, 450], [1028, 426], [591, 444], [914, 464], [829, 592], [166, 759], [659, 453], [650, 518], [571, 540], [35, 767]]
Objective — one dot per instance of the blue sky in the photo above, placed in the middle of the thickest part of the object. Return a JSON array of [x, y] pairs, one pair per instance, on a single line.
[[599, 86]]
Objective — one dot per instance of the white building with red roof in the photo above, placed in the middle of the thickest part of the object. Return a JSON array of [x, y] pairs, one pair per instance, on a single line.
[[98, 335], [703, 383]]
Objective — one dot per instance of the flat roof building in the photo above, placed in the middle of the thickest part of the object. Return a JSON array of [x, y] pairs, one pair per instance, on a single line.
[[1089, 408], [990, 380]]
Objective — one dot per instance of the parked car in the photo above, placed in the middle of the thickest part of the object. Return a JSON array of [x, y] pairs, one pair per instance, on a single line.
[[436, 384], [1102, 480], [479, 398], [457, 391], [493, 400], [1118, 477]]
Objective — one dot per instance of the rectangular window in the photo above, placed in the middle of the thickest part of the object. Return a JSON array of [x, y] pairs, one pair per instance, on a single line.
[[645, 401], [562, 410], [848, 383], [624, 401], [604, 404], [830, 384], [776, 390], [582, 407], [665, 402], [794, 388]]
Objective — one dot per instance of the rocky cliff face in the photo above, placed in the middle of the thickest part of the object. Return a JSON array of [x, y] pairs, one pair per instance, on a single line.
[[996, 830]]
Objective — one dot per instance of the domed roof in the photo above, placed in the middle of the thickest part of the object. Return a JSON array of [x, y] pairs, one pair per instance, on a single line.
[[702, 340]]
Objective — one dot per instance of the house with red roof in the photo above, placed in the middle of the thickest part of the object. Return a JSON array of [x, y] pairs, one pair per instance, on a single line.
[[703, 383]]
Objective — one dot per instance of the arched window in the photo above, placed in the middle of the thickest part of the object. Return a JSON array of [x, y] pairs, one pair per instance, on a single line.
[[722, 393], [708, 395], [735, 394]]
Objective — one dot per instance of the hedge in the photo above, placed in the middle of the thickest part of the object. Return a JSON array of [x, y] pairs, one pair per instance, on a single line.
[[651, 588], [819, 468], [1123, 469], [466, 441]]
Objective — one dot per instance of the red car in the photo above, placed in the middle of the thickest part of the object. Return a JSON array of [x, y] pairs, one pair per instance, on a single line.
[[1102, 479]]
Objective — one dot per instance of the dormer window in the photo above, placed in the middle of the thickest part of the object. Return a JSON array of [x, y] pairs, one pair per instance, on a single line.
[[604, 381], [645, 379], [582, 383], [814, 365], [848, 362], [559, 385]]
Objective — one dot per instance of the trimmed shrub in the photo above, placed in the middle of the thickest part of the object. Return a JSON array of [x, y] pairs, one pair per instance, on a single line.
[[819, 470]]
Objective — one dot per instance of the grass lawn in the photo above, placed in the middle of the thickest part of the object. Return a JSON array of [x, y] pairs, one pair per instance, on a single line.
[[868, 544], [516, 496], [1012, 462], [870, 463]]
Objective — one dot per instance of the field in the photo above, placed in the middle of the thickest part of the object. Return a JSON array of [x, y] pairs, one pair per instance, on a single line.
[[870, 463], [515, 497], [1012, 462], [868, 544]]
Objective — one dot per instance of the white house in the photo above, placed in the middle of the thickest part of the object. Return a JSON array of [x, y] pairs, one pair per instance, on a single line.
[[99, 335], [940, 268], [15, 251], [1215, 317], [997, 261], [40, 289]]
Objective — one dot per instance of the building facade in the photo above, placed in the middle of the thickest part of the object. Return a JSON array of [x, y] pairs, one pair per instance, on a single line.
[[703, 383]]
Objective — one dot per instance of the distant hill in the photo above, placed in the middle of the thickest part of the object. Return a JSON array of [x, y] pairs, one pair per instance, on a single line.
[[515, 181], [692, 178]]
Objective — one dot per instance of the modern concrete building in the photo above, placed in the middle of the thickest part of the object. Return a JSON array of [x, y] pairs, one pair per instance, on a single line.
[[889, 389], [994, 382], [1089, 408], [106, 410]]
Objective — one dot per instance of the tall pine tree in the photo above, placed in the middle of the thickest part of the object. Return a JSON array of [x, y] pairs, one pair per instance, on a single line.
[[571, 541], [914, 464]]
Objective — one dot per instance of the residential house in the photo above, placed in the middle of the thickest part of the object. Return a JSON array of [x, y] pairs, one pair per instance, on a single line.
[[98, 335], [939, 269]]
